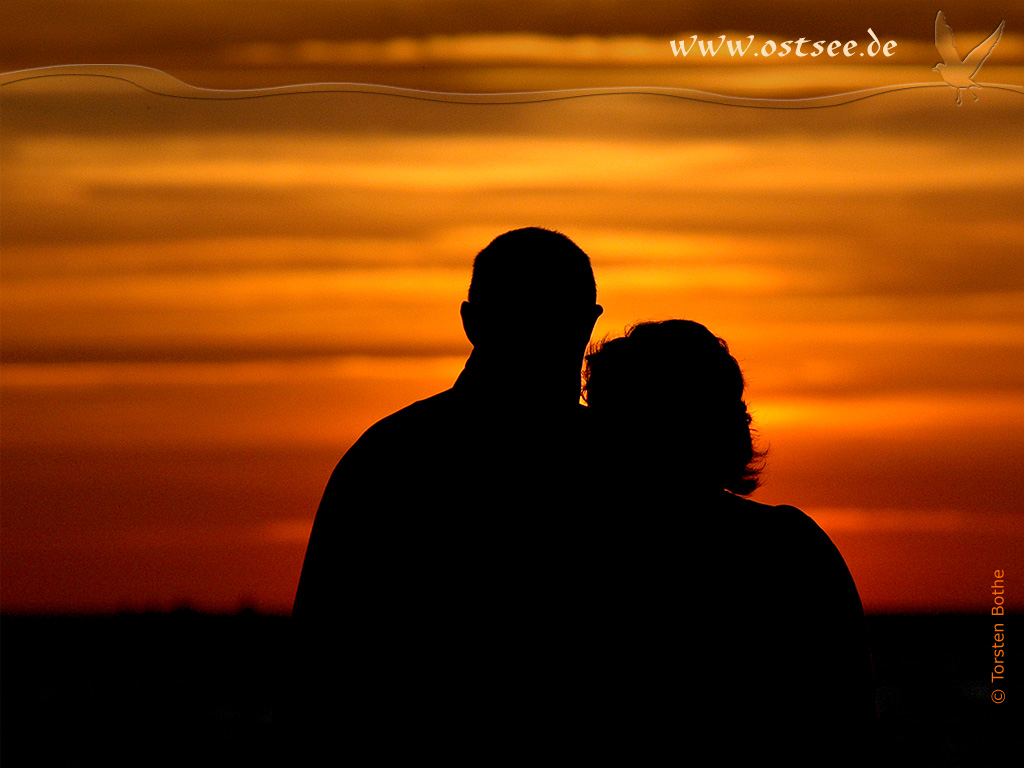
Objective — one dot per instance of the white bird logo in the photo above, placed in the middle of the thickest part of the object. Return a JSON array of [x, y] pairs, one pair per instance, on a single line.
[[957, 72]]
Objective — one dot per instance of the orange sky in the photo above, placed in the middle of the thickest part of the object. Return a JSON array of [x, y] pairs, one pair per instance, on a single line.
[[204, 302]]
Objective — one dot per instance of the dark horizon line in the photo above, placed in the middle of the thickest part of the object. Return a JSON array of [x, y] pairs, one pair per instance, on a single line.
[[253, 612]]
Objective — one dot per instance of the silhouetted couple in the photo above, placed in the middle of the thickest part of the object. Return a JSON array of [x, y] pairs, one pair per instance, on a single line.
[[498, 573]]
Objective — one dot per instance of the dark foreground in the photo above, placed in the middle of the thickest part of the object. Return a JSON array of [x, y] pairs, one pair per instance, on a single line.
[[192, 689]]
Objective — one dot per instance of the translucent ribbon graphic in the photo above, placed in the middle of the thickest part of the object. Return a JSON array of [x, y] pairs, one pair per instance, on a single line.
[[163, 84]]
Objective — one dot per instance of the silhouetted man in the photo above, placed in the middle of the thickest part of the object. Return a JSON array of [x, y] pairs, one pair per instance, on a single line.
[[432, 611]]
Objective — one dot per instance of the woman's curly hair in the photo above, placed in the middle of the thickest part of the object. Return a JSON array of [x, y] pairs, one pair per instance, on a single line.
[[671, 392]]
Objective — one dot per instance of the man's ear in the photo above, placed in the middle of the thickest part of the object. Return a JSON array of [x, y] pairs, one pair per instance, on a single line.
[[469, 322]]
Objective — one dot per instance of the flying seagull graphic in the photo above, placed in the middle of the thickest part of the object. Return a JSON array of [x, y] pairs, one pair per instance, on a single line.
[[958, 73]]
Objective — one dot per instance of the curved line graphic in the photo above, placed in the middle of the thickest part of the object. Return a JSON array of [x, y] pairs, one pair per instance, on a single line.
[[160, 83]]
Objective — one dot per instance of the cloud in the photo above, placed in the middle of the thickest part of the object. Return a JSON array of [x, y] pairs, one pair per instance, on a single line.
[[532, 49]]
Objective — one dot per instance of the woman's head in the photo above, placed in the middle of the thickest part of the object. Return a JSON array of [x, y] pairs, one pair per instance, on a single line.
[[670, 394]]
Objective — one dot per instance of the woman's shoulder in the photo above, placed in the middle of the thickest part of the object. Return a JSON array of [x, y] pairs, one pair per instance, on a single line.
[[792, 534], [780, 513], [781, 521]]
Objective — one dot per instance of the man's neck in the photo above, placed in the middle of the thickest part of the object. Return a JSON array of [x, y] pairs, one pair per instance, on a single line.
[[500, 379]]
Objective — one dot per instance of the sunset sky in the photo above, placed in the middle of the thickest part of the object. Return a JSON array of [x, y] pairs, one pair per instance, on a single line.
[[205, 300]]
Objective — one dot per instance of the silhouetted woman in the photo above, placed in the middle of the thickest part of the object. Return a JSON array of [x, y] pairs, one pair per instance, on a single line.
[[729, 625]]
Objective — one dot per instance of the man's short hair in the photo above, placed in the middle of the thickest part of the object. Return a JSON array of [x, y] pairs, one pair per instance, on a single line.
[[532, 264]]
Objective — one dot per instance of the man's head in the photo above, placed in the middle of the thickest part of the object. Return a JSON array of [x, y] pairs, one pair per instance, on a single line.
[[534, 288]]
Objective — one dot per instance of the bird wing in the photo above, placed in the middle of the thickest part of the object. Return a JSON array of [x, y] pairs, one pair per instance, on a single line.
[[981, 51], [944, 41]]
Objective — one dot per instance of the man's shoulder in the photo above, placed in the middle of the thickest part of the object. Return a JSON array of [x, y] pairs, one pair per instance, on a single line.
[[442, 408], [411, 416], [427, 414], [450, 426]]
